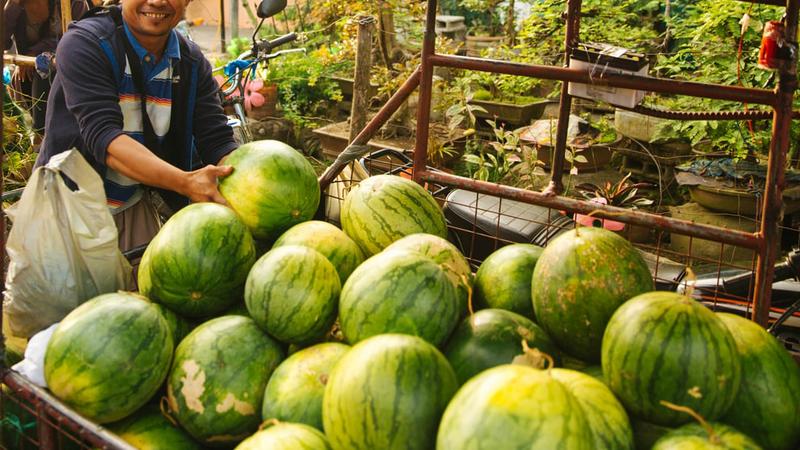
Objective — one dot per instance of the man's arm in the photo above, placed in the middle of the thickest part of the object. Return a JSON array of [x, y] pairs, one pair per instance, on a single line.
[[132, 159], [213, 135]]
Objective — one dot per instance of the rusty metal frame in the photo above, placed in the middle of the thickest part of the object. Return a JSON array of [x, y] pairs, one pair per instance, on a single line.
[[780, 100]]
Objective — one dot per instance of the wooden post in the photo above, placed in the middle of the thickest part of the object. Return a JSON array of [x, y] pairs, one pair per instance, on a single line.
[[234, 19], [222, 45], [511, 30], [386, 33], [66, 15], [358, 110]]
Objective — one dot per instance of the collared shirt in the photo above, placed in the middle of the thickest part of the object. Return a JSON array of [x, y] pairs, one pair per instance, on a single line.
[[121, 191]]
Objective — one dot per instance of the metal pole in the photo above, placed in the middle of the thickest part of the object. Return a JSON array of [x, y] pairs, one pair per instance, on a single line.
[[234, 19], [425, 92], [772, 207], [222, 45]]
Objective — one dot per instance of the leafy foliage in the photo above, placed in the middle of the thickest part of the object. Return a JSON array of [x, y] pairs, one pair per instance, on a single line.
[[622, 193]]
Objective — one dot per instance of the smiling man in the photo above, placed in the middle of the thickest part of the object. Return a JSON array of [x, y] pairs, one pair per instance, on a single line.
[[138, 101]]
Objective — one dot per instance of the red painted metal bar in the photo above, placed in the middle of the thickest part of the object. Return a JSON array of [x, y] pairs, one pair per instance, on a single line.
[[771, 211], [425, 90], [662, 85], [565, 103], [717, 234], [706, 115], [383, 115]]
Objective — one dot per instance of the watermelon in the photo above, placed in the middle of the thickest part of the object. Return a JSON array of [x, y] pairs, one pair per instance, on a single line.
[[504, 279], [606, 417], [398, 292], [272, 187], [694, 437], [109, 356], [178, 326], [325, 238], [197, 263], [292, 293], [217, 380], [492, 337], [767, 407], [581, 278], [148, 429], [385, 208], [294, 392], [286, 436], [387, 392], [445, 254], [514, 407], [653, 349]]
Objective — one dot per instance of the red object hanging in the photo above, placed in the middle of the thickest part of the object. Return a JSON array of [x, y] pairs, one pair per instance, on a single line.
[[771, 41]]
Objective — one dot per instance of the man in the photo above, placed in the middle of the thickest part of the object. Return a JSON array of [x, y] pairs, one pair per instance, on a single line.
[[103, 63]]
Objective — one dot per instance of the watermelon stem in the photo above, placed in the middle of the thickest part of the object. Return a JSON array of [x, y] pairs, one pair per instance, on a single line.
[[466, 282], [163, 405], [534, 357], [268, 423], [712, 436], [691, 281]]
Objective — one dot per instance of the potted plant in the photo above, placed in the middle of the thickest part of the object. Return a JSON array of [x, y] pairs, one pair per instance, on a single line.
[[623, 194], [506, 98]]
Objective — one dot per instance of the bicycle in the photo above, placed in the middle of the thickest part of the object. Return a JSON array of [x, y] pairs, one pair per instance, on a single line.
[[232, 90]]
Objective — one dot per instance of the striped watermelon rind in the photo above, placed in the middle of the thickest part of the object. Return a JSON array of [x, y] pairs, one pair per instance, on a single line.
[[652, 348], [514, 406], [581, 278], [286, 436], [272, 187], [148, 429], [385, 208], [694, 436], [216, 385], [294, 391], [109, 356], [325, 238], [398, 292], [387, 392], [767, 407], [197, 263], [292, 293], [504, 279]]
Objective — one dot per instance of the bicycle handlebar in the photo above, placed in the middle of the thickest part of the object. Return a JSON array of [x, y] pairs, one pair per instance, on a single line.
[[277, 42]]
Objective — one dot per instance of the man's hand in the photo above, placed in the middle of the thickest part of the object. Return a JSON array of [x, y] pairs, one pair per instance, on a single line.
[[201, 184]]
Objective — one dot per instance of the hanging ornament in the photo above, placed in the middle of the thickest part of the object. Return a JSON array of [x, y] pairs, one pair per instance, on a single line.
[[771, 42]]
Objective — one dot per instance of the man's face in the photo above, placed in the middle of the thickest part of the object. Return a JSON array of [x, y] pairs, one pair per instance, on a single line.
[[152, 18]]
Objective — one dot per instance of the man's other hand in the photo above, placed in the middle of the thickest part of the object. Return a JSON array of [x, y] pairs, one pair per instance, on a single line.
[[201, 184]]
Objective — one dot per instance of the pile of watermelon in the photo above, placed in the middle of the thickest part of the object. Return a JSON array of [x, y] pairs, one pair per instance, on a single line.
[[378, 336]]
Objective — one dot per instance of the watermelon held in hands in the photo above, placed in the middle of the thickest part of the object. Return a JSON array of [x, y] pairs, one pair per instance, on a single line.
[[767, 407], [697, 437], [109, 356], [385, 208], [492, 337], [197, 263], [286, 436], [580, 279], [292, 293], [148, 429], [653, 349], [514, 406], [387, 392], [272, 187], [504, 279], [294, 391], [216, 385], [325, 238], [398, 292]]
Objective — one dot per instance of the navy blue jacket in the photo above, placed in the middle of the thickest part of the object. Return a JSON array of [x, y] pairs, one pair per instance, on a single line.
[[83, 108]]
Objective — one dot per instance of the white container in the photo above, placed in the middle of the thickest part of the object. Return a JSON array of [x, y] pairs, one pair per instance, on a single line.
[[601, 59]]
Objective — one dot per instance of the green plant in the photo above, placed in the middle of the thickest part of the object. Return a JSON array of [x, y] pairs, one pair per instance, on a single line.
[[622, 193], [495, 162]]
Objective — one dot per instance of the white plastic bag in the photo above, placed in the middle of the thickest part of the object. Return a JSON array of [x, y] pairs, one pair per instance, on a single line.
[[62, 247], [32, 367]]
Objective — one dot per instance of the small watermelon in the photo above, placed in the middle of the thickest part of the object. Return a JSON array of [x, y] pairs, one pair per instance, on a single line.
[[197, 263], [446, 255], [294, 391], [651, 349], [398, 292], [272, 187], [109, 356], [695, 437], [286, 436], [325, 238], [387, 392], [492, 337], [292, 293], [504, 279], [514, 407], [767, 407], [216, 385], [148, 429], [384, 208], [581, 278]]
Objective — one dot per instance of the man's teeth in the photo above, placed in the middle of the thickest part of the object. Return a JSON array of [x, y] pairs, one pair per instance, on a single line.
[[155, 15]]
